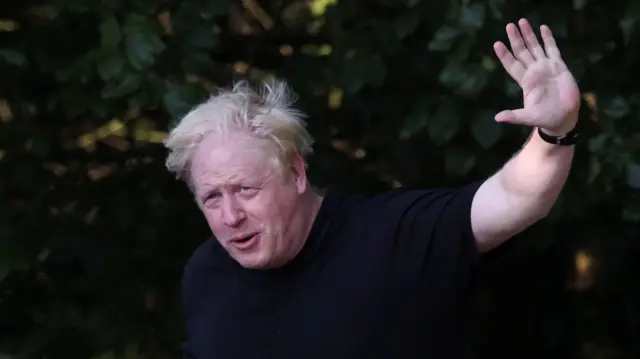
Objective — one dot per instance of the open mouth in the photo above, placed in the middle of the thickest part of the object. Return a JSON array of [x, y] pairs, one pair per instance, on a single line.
[[245, 242], [245, 239]]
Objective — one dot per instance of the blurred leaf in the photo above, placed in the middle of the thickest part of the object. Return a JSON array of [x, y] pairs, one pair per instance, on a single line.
[[512, 89], [142, 48], [598, 142], [217, 7], [4, 272], [179, 99], [496, 7], [201, 37], [110, 66], [407, 23], [13, 57], [579, 4], [106, 355], [485, 129], [458, 161], [416, 121], [631, 212], [594, 170], [633, 175], [124, 86], [444, 38], [444, 124], [198, 63], [615, 107], [142, 41], [472, 17], [628, 25], [110, 32], [363, 70], [465, 79]]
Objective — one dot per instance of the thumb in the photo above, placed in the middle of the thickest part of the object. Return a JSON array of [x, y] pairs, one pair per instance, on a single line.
[[517, 117]]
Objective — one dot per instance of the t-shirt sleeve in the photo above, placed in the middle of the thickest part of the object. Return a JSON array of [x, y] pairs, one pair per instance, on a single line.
[[432, 235]]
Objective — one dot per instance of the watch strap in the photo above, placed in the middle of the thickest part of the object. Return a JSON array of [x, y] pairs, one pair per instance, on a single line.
[[568, 139]]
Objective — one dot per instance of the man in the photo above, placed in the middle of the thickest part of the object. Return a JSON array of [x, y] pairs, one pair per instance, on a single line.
[[293, 274]]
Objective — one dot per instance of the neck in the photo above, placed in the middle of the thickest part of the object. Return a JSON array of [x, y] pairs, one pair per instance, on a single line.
[[309, 207]]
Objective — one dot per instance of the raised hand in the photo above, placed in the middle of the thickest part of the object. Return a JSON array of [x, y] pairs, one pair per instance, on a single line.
[[551, 95]]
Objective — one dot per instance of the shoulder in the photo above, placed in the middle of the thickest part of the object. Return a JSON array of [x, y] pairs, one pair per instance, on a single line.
[[205, 256], [202, 266], [404, 201]]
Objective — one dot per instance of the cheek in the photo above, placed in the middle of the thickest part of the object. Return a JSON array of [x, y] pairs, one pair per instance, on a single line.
[[259, 210], [214, 220], [270, 206]]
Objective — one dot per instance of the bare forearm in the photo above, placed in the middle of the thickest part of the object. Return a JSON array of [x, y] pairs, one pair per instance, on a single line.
[[537, 174], [521, 193]]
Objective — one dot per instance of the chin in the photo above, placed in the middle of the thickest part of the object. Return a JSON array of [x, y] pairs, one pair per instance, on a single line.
[[253, 261]]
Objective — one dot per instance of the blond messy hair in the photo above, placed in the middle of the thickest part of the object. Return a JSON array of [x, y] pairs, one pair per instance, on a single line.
[[265, 113]]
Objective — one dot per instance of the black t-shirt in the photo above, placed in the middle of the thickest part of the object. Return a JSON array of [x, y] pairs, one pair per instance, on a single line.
[[386, 276]]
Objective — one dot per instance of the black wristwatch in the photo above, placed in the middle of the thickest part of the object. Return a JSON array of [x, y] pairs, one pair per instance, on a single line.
[[569, 139]]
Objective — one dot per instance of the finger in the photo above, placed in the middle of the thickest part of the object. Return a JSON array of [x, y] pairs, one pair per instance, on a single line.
[[517, 46], [517, 117], [513, 67], [531, 40], [550, 43]]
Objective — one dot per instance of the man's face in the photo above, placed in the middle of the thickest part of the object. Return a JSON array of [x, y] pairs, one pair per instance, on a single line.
[[251, 208]]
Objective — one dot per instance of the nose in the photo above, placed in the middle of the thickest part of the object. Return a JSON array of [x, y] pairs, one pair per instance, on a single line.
[[232, 214]]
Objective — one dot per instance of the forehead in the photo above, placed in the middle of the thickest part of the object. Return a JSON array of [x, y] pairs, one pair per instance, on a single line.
[[229, 159]]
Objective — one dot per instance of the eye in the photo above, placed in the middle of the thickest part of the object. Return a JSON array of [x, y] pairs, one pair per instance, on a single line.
[[212, 196], [248, 191]]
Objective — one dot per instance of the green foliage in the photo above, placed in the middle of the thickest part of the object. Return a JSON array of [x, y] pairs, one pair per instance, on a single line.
[[94, 232]]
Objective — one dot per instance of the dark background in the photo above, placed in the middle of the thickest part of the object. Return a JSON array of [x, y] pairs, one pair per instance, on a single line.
[[94, 232]]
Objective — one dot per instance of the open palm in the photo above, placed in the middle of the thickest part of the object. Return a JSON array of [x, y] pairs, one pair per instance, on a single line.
[[551, 95]]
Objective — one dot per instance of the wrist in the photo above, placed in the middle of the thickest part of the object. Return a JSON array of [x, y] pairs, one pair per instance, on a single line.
[[558, 132], [567, 138], [562, 130]]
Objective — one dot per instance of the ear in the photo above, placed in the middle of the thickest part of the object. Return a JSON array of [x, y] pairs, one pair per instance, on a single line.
[[299, 173]]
